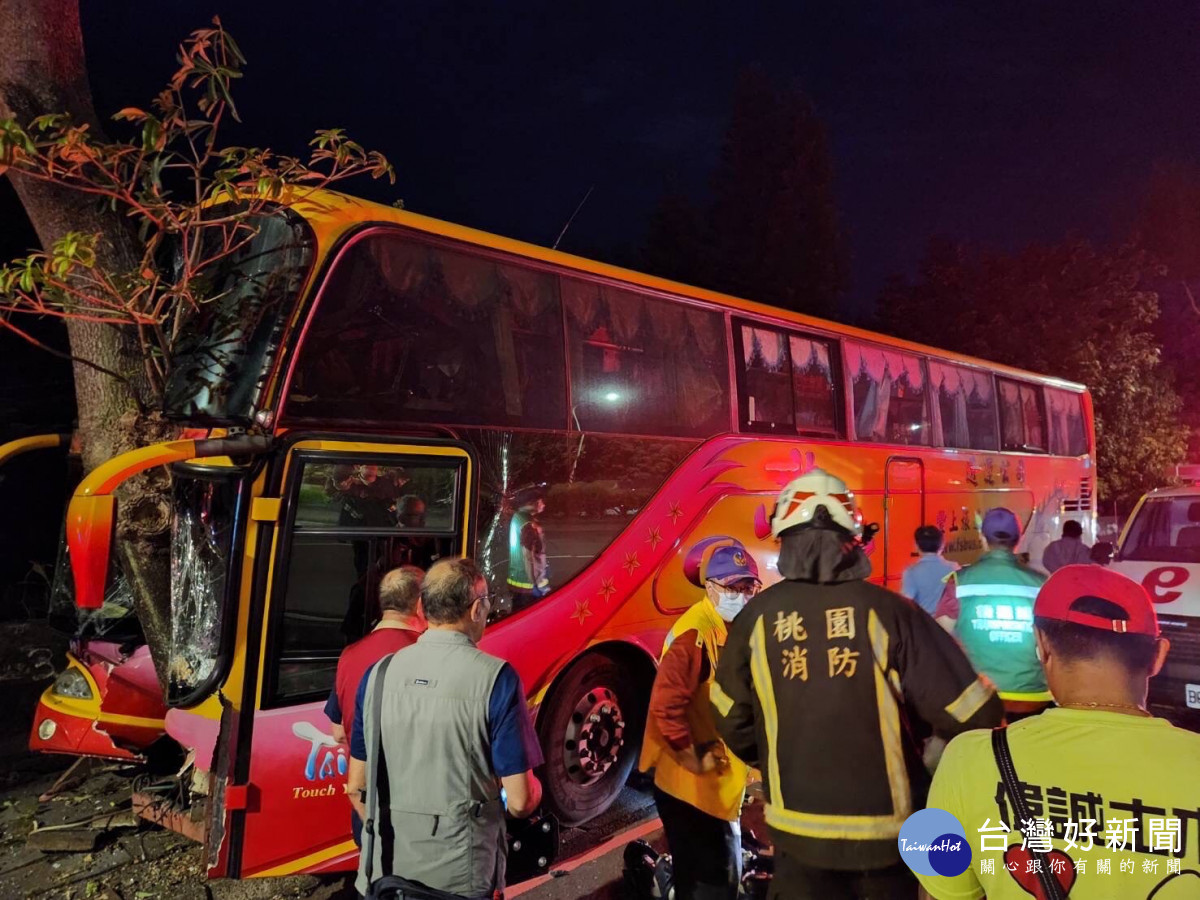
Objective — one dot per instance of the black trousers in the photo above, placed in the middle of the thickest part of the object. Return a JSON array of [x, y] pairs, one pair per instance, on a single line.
[[795, 881], [706, 852]]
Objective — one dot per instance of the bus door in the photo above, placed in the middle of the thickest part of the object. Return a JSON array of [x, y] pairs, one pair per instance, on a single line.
[[903, 514], [349, 511]]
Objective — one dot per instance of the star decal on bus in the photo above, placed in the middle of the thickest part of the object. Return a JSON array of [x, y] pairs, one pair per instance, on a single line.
[[581, 610], [607, 588], [654, 537], [631, 562], [674, 513]]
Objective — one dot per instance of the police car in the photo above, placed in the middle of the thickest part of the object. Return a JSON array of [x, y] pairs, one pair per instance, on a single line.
[[1160, 547]]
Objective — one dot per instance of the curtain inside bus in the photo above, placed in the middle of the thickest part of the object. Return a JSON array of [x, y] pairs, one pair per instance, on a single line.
[[890, 402], [409, 332], [1068, 433], [966, 406], [644, 365]]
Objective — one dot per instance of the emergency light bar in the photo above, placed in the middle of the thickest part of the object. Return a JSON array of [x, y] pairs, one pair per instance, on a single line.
[[1189, 474]]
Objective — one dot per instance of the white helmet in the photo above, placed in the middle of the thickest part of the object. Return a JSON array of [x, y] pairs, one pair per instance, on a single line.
[[798, 503]]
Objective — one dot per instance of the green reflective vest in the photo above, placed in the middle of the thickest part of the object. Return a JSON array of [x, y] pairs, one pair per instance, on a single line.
[[995, 623]]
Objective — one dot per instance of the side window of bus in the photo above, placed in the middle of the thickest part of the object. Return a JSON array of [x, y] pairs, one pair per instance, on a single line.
[[352, 522], [644, 365], [1068, 433], [966, 406], [410, 332], [890, 399], [786, 382], [549, 504], [1022, 418]]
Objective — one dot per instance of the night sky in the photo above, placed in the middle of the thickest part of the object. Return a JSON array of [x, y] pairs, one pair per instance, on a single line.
[[1000, 123]]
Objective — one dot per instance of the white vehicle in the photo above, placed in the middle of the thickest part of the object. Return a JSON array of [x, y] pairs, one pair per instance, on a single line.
[[1160, 547]]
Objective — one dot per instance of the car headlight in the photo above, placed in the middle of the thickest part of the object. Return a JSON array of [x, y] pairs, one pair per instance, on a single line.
[[46, 729], [72, 683]]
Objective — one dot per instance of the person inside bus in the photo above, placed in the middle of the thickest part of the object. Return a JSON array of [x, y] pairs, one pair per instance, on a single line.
[[924, 580], [988, 606], [698, 786], [813, 668], [400, 625], [1098, 637], [458, 745], [1068, 550], [528, 567], [417, 550]]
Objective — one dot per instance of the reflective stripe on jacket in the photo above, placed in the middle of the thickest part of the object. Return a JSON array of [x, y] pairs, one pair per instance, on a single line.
[[995, 623], [828, 689], [719, 794]]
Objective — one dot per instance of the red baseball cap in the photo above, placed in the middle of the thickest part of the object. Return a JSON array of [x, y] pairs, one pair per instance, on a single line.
[[1071, 583]]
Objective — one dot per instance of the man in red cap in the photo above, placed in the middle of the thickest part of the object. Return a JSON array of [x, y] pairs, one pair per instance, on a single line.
[[1113, 793]]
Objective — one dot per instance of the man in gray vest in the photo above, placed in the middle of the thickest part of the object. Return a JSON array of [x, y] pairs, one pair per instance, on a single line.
[[453, 730]]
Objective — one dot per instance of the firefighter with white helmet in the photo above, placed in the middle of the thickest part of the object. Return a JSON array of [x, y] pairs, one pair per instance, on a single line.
[[822, 683]]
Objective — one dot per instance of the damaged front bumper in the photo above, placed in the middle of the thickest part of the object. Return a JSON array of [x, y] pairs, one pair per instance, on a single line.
[[72, 718]]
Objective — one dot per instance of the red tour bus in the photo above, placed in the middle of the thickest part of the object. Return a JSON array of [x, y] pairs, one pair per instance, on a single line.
[[385, 388]]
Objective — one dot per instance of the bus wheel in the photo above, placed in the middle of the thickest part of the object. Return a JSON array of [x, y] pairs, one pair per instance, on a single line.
[[590, 735]]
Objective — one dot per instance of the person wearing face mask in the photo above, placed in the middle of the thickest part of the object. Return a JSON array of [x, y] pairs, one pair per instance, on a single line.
[[439, 728], [698, 786]]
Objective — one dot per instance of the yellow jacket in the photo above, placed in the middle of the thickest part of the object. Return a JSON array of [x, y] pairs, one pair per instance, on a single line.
[[718, 793]]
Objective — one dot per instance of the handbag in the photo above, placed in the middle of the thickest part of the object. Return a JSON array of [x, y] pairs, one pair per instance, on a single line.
[[1051, 888], [388, 886]]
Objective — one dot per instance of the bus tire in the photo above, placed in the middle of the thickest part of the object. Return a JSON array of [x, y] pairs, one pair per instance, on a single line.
[[591, 731]]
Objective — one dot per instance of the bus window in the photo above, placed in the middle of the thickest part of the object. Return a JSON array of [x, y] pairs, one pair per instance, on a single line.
[[889, 395], [966, 403], [202, 526], [354, 520], [786, 383], [370, 495], [591, 486], [1068, 435], [1022, 419], [643, 365], [409, 332], [229, 344]]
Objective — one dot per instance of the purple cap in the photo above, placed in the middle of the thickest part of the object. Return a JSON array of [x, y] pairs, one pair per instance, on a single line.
[[729, 563], [1002, 523]]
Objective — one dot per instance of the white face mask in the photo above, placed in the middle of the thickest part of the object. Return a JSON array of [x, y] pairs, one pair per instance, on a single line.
[[729, 604]]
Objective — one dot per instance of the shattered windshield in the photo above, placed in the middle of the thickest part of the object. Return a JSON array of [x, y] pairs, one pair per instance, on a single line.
[[202, 525], [114, 620], [226, 351]]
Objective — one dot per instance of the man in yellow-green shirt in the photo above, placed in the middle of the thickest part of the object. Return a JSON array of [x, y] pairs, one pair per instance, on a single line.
[[1113, 793]]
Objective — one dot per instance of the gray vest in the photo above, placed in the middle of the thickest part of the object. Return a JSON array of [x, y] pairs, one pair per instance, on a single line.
[[444, 804]]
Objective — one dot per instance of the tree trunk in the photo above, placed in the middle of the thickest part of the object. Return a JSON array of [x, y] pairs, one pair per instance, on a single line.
[[42, 70]]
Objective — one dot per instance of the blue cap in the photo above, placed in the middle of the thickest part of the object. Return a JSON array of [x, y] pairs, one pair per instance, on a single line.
[[729, 562], [1002, 523]]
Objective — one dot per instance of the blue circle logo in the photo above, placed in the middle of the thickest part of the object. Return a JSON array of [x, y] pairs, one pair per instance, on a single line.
[[933, 842]]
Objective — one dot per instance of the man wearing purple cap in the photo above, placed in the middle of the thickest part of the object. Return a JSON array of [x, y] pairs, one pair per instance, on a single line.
[[698, 786], [988, 606]]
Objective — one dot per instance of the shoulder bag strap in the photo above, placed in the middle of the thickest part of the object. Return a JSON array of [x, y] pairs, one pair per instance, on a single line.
[[377, 747], [1051, 887]]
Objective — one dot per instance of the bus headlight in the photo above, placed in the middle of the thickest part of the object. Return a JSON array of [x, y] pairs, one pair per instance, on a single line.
[[46, 729], [72, 683]]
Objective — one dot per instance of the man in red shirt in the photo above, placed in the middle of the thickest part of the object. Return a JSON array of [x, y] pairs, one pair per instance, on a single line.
[[400, 626]]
